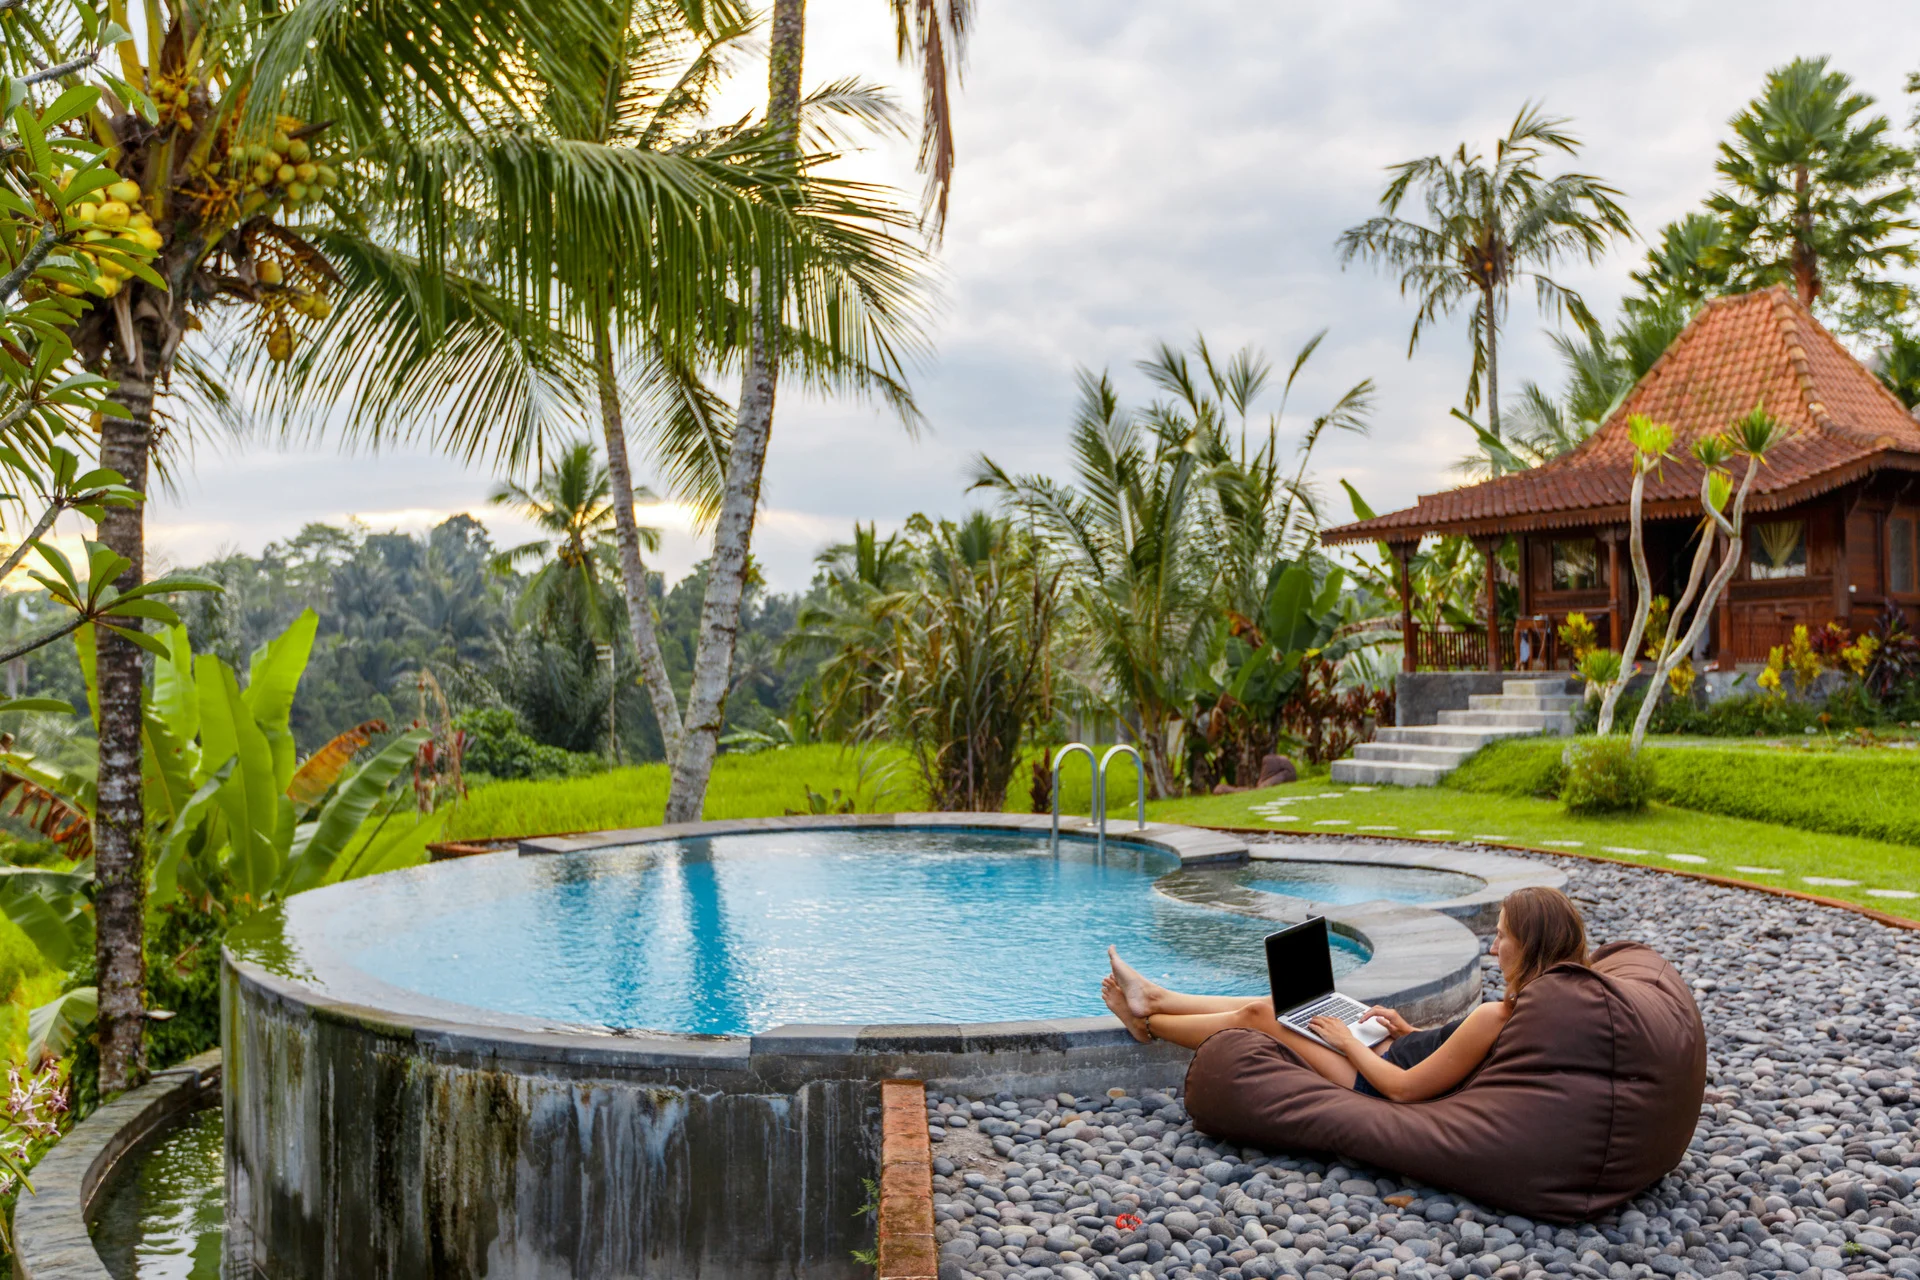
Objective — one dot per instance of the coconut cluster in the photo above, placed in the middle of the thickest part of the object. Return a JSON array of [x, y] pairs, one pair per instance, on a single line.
[[283, 173], [118, 216]]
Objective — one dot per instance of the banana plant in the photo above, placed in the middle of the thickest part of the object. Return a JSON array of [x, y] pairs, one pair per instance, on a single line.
[[236, 814]]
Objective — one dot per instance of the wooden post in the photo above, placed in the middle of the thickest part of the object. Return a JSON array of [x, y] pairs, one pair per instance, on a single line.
[[1402, 552], [1616, 598], [1489, 548], [1842, 578]]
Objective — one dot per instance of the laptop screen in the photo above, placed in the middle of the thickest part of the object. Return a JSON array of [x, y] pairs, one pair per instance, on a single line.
[[1299, 964]]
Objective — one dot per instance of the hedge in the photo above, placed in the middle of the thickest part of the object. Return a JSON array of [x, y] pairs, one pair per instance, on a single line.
[[1874, 794]]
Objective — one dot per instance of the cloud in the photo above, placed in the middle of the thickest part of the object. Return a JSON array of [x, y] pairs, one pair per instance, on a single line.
[[1131, 171]]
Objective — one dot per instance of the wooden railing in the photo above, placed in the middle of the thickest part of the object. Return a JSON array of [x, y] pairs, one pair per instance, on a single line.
[[1447, 649]]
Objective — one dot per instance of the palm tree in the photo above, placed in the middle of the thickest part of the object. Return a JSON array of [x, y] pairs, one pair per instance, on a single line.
[[1689, 265], [571, 501], [1488, 226], [308, 160], [1816, 194], [933, 32]]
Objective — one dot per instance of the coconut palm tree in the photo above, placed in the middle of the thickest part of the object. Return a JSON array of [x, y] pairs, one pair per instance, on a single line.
[[571, 501], [307, 187], [1489, 226], [933, 32], [1816, 192]]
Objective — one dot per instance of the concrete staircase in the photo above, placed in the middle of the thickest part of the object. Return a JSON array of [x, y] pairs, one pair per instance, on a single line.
[[1420, 755]]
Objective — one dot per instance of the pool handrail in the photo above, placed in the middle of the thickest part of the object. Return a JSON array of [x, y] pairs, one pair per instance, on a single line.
[[1099, 798], [1140, 787]]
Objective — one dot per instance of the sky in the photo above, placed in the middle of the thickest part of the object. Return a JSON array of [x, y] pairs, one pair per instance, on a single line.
[[1132, 171]]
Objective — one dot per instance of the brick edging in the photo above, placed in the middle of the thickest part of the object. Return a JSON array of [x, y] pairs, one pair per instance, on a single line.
[[1726, 882], [905, 1233]]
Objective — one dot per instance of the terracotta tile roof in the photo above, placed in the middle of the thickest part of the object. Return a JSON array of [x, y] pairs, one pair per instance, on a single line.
[[1758, 348]]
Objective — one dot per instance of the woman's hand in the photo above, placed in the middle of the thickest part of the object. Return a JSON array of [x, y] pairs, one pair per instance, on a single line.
[[1394, 1023], [1337, 1034]]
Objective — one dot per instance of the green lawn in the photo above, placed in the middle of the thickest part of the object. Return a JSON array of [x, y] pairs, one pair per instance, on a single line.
[[1740, 848]]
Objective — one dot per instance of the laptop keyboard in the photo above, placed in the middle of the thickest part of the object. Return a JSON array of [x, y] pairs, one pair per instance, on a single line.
[[1344, 1008]]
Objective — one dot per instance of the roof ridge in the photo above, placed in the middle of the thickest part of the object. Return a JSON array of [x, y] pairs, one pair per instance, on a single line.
[[1879, 439], [1787, 317]]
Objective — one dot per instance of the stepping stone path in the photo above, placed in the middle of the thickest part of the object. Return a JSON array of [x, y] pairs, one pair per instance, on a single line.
[[1804, 1162]]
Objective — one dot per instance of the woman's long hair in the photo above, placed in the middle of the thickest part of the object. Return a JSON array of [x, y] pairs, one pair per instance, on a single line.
[[1547, 929]]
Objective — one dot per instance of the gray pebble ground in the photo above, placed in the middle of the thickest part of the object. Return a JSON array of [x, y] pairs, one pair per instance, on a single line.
[[1804, 1162]]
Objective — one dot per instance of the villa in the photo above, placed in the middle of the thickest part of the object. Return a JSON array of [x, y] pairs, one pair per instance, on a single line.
[[1830, 525]]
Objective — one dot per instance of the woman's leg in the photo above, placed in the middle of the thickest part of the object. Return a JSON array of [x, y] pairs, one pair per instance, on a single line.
[[1145, 997], [1190, 1031]]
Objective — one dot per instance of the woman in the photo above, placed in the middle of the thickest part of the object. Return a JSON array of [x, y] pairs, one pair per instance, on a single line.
[[1538, 929]]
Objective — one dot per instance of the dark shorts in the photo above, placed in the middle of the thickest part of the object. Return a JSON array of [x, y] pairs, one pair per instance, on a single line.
[[1409, 1051]]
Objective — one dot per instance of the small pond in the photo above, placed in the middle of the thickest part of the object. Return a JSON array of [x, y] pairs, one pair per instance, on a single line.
[[162, 1214]]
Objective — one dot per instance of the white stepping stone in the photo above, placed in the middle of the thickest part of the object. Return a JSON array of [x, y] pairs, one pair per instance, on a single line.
[[1334, 822], [1685, 857], [1325, 795], [1487, 837], [1376, 828], [1566, 844], [1435, 831], [1830, 881], [1761, 871], [1892, 893], [1363, 788], [1622, 849]]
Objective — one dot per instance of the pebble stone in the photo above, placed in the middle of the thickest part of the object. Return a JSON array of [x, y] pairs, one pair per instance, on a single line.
[[1804, 1162]]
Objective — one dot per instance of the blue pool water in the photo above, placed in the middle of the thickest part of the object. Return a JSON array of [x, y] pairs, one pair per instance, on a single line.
[[737, 934], [1346, 883]]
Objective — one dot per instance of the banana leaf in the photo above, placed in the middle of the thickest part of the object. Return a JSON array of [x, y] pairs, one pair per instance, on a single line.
[[319, 771], [401, 842], [272, 677], [320, 844], [56, 1026], [51, 908], [251, 798]]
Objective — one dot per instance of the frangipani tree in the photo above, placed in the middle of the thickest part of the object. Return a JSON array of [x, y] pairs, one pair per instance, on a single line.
[[1652, 442], [281, 173], [1750, 437]]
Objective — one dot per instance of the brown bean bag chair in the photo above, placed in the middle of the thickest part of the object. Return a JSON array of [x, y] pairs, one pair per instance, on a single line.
[[1591, 1094]]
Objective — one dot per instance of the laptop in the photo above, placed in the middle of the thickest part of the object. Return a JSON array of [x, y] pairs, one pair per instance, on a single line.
[[1300, 967]]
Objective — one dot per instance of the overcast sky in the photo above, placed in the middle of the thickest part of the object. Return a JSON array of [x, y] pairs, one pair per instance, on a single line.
[[1131, 171]]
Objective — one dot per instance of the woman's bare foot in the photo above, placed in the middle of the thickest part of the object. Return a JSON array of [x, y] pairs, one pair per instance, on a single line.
[[1117, 1001], [1133, 985]]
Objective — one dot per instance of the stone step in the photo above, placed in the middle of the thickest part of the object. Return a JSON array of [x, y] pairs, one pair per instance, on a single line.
[[1528, 687], [1388, 772], [1413, 753], [1540, 721], [1523, 702], [1430, 735]]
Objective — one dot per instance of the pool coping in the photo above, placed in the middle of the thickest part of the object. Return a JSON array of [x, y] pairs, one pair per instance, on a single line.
[[50, 1236], [1423, 962]]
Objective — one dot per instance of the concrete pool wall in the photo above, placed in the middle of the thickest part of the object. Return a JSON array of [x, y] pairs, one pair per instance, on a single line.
[[378, 1133]]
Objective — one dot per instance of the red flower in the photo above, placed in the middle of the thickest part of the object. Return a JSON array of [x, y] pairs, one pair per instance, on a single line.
[[1128, 1222]]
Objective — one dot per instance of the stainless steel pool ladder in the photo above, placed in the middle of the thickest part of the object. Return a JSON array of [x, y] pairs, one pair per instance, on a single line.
[[1093, 768], [1140, 788]]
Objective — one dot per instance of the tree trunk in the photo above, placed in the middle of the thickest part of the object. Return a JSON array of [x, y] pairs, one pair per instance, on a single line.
[[1806, 264], [733, 532], [120, 871], [1493, 368], [633, 571]]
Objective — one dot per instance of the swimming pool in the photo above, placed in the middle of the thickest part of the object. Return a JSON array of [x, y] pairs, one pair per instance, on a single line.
[[733, 935]]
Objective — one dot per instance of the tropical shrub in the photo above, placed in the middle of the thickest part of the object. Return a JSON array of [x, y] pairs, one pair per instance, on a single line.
[[1606, 775], [497, 748]]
